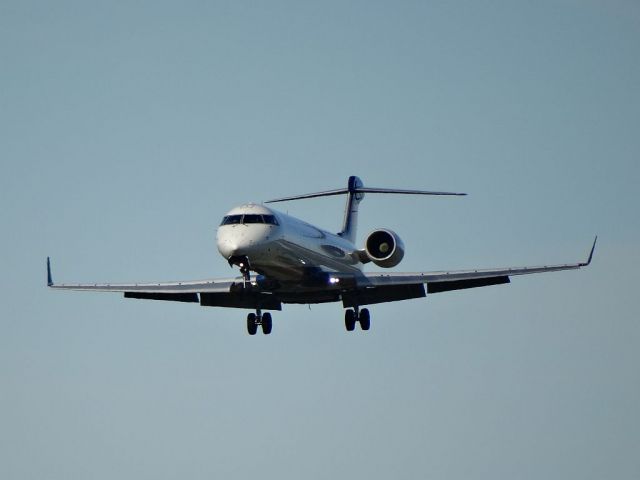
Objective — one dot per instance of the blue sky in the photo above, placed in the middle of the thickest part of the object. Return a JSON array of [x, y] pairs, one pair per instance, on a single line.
[[128, 129]]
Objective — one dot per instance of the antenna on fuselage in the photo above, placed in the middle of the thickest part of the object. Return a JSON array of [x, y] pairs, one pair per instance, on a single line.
[[355, 191]]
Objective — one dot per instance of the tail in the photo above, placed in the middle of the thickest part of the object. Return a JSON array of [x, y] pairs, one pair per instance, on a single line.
[[355, 193]]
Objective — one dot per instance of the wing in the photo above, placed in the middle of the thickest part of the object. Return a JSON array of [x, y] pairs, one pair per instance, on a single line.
[[192, 286], [388, 287], [369, 288], [222, 292]]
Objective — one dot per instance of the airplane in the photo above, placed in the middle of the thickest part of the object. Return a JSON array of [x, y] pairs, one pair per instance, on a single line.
[[284, 260]]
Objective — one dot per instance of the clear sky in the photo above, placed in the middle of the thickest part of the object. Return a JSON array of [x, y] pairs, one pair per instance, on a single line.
[[128, 129]]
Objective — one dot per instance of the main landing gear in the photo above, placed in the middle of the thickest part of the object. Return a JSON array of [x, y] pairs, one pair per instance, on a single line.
[[259, 318], [356, 315]]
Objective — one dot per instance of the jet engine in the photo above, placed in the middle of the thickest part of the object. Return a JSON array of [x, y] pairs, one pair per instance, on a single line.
[[384, 248]]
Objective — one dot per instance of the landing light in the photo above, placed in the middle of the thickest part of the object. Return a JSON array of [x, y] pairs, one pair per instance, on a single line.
[[334, 280]]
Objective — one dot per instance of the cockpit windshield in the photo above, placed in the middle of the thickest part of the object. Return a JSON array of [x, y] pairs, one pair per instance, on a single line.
[[249, 218], [252, 219], [231, 220]]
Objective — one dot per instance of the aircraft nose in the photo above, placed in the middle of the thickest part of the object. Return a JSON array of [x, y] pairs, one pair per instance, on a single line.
[[241, 240], [227, 249], [234, 245]]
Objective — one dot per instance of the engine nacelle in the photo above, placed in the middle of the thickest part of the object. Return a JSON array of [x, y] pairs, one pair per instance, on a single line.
[[384, 248]]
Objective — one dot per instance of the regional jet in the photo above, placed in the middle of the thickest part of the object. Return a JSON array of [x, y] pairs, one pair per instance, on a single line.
[[285, 260]]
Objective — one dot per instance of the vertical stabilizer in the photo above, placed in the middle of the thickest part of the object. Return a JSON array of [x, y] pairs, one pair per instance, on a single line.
[[350, 223]]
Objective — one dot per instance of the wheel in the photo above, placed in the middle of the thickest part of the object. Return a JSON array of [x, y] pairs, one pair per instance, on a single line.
[[365, 319], [350, 320], [252, 327], [267, 323]]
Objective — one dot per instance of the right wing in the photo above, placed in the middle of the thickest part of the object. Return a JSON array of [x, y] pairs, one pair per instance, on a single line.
[[220, 292], [191, 286]]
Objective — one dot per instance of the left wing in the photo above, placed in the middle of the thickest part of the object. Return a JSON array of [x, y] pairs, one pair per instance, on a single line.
[[386, 287]]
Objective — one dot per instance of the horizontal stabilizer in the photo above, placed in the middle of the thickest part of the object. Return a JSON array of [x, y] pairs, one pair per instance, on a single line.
[[327, 193], [406, 192], [343, 191]]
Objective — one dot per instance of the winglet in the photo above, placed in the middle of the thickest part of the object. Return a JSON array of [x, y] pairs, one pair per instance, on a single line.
[[49, 279], [592, 250]]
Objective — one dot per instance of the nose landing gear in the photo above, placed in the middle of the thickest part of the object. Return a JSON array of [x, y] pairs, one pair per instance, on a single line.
[[245, 268], [259, 318], [356, 315]]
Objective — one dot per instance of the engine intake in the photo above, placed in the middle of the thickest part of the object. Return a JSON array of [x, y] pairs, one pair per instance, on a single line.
[[384, 248]]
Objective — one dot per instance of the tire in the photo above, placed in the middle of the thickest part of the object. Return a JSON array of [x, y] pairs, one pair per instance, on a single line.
[[267, 323], [365, 319], [252, 328], [350, 320]]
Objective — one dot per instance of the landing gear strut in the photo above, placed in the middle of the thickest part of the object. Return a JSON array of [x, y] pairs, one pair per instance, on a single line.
[[245, 270], [356, 315], [259, 318]]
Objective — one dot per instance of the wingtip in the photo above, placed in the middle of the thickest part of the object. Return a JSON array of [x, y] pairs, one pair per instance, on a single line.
[[593, 248], [49, 278]]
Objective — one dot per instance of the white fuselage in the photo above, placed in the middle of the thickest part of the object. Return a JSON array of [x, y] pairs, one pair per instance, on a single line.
[[285, 249]]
